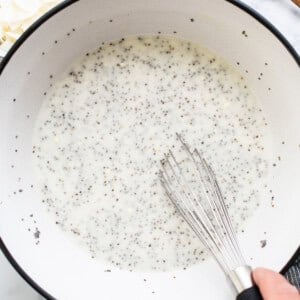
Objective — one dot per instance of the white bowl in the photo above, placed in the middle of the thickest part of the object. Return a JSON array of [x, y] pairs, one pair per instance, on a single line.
[[56, 266]]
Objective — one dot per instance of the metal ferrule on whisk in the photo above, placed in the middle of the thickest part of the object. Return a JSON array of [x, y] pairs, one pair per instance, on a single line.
[[241, 278]]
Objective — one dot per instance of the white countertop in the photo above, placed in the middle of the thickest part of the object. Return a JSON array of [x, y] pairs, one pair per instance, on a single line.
[[283, 14]]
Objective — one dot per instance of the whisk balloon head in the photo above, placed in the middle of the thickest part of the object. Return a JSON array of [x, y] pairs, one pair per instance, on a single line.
[[191, 185]]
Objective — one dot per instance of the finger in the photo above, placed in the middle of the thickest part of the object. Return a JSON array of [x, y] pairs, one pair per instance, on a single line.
[[274, 286]]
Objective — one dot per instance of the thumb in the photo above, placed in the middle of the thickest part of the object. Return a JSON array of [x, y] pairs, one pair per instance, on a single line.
[[274, 286]]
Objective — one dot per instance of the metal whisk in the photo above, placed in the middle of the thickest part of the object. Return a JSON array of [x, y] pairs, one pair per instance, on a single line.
[[192, 186]]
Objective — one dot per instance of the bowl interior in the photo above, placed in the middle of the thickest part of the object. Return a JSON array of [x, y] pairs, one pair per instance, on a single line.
[[56, 264]]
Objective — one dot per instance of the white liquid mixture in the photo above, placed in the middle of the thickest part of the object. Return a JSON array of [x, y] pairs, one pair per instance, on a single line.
[[106, 124]]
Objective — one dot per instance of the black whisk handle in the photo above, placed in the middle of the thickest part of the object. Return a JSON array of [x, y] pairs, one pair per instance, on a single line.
[[251, 293]]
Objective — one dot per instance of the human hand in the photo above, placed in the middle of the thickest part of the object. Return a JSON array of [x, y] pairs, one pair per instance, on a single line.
[[274, 286]]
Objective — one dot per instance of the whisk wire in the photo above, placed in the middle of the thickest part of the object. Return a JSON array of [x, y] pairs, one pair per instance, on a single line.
[[178, 189], [220, 211], [207, 191], [228, 225], [205, 174], [202, 207], [190, 217]]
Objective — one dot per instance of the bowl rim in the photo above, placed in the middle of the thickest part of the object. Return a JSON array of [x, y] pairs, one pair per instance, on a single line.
[[237, 3]]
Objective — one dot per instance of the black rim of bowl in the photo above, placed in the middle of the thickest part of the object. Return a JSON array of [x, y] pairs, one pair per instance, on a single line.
[[64, 5]]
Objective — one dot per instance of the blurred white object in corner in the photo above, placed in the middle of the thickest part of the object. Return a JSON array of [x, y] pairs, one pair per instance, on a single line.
[[16, 16]]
